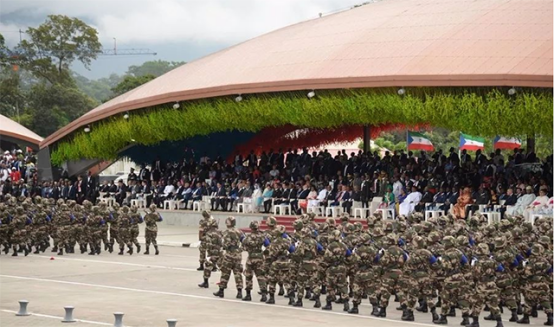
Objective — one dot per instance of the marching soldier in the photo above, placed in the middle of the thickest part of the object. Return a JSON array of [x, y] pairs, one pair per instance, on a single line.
[[151, 230]]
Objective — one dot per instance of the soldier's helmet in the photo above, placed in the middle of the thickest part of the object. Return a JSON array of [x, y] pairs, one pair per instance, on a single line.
[[281, 229], [271, 221], [230, 221], [419, 242], [298, 225], [370, 221], [483, 249], [116, 206], [152, 207], [527, 227], [462, 240], [391, 239], [449, 242], [517, 233], [125, 209], [331, 222], [401, 226], [205, 214], [378, 232], [21, 198], [2, 206], [63, 207], [51, 201], [443, 221], [344, 217], [378, 215], [38, 199], [254, 225], [417, 217], [311, 215], [101, 204], [473, 221], [134, 209], [95, 210], [77, 208], [8, 197], [19, 210], [490, 230], [428, 227], [545, 241], [500, 242], [71, 203], [60, 202], [306, 232], [350, 228], [389, 227], [432, 220], [336, 235], [505, 225], [537, 249], [87, 204], [359, 226]]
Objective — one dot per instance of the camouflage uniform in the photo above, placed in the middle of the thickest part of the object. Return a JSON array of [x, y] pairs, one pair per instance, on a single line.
[[506, 279], [365, 261], [232, 258], [213, 243], [279, 250], [63, 220], [337, 256], [201, 237], [254, 263], [124, 231], [104, 212], [306, 253], [151, 230], [136, 219], [114, 226], [392, 258], [19, 237]]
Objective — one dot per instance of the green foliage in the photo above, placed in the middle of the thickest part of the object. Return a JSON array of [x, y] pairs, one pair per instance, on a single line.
[[57, 43], [131, 82], [155, 68], [474, 111]]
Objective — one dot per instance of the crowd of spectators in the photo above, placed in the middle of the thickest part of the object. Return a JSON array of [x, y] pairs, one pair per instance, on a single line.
[[405, 181]]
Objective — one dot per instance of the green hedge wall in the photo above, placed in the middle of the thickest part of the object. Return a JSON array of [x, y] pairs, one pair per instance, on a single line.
[[480, 112]]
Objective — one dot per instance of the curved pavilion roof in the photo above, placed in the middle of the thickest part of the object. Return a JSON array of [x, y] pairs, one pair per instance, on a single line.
[[15, 132], [383, 44]]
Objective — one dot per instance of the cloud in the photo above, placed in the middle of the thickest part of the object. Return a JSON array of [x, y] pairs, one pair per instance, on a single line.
[[148, 22]]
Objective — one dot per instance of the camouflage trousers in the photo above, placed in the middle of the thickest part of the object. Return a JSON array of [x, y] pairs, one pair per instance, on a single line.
[[390, 283], [537, 292], [202, 248], [104, 234], [150, 237], [95, 237], [337, 283], [364, 283], [41, 236], [134, 234], [278, 273], [211, 263], [454, 292], [19, 237], [231, 262], [124, 237], [255, 266], [63, 236], [418, 286], [485, 294], [5, 236], [114, 235], [307, 278], [504, 282]]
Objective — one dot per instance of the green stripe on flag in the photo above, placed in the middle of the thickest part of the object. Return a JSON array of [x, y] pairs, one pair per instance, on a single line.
[[473, 138]]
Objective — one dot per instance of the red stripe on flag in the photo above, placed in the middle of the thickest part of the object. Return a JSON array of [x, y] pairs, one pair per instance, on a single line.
[[425, 147], [472, 147], [506, 145]]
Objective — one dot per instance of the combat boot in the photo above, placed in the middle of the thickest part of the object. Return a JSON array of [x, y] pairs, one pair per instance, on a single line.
[[83, 249], [346, 306], [60, 252], [465, 320], [548, 319], [120, 251], [14, 254], [98, 249], [239, 293], [328, 306], [204, 284], [524, 320], [264, 296], [92, 251], [519, 309], [323, 289], [219, 293], [130, 251], [147, 250], [54, 249], [499, 321], [354, 309], [452, 312], [441, 321], [157, 251], [317, 303], [490, 317], [382, 312], [248, 296], [271, 299], [404, 314], [110, 248], [434, 314], [281, 290], [201, 268], [138, 248], [6, 250], [475, 322], [534, 312], [409, 315], [291, 297], [308, 294], [375, 309], [402, 307], [423, 308], [37, 251], [514, 316], [313, 297], [439, 303], [298, 303], [339, 300]]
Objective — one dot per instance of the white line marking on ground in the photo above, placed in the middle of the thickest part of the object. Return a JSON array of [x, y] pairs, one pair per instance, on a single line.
[[211, 299], [61, 318], [117, 263]]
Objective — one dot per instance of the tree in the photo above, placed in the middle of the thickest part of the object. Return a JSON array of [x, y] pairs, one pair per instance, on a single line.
[[155, 68], [131, 82], [55, 45]]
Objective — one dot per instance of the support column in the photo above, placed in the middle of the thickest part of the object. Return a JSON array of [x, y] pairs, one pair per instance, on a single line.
[[367, 139], [530, 143]]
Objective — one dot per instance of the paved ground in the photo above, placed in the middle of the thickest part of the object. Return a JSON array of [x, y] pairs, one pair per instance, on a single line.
[[151, 289]]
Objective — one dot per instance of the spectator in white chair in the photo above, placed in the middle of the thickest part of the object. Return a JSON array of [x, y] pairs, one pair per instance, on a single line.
[[537, 205], [256, 198], [524, 201], [408, 205]]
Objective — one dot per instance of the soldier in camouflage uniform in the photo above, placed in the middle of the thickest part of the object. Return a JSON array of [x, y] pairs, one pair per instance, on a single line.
[[232, 258], [114, 226], [5, 228], [94, 227], [454, 263], [505, 280], [214, 244], [365, 260], [63, 220], [151, 230], [201, 235], [19, 237], [305, 254], [279, 249], [136, 219], [124, 231], [391, 260], [418, 283], [104, 212], [325, 238], [253, 244], [536, 290], [337, 256]]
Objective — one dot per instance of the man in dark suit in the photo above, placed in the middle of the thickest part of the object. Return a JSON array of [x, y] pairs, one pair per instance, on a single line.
[[65, 190], [219, 198], [366, 194], [55, 192], [509, 199], [121, 192], [144, 173]]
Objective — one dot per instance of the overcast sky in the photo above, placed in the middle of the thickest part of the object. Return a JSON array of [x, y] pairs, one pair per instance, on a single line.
[[177, 30]]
